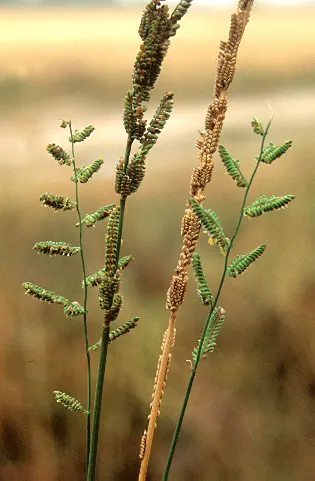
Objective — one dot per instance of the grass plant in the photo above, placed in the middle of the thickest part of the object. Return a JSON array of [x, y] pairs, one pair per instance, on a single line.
[[157, 26]]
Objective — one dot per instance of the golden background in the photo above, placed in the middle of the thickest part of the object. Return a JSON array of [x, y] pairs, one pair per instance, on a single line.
[[251, 416]]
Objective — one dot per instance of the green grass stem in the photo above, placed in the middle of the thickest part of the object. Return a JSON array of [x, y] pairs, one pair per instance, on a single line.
[[104, 346], [86, 339]]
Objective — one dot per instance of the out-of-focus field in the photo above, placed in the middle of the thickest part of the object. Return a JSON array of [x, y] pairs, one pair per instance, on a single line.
[[252, 411]]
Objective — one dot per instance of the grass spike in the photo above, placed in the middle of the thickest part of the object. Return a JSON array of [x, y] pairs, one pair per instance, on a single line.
[[56, 248], [90, 219], [69, 402], [257, 126], [209, 343], [264, 204], [212, 224], [59, 154], [81, 135], [202, 287], [85, 173], [116, 333], [111, 242], [272, 152], [242, 262], [232, 167], [57, 202]]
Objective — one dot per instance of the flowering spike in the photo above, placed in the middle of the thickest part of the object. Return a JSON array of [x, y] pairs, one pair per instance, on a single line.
[[69, 402], [59, 154], [81, 135], [232, 167], [241, 263], [57, 202], [263, 204], [85, 173], [56, 248], [90, 219]]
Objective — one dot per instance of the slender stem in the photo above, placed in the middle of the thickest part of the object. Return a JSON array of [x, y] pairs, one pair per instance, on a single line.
[[206, 325], [88, 360], [104, 345], [98, 404]]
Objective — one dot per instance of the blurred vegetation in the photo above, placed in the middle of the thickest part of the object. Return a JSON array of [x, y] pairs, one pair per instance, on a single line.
[[252, 411]]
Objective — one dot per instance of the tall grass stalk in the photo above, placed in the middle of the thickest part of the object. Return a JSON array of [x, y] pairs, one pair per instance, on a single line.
[[157, 26], [202, 348], [85, 324], [191, 226]]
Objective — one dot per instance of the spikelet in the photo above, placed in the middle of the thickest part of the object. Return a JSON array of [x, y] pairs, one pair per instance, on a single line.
[[116, 333], [202, 287], [111, 242], [155, 30], [200, 177], [57, 202], [112, 313], [122, 181], [135, 174], [142, 445], [81, 135], [95, 279], [232, 167], [71, 309], [209, 342], [65, 123], [59, 154], [273, 152], [90, 219], [257, 126], [178, 13], [108, 288], [85, 173], [69, 402], [159, 119], [241, 263], [56, 248], [43, 294], [212, 224], [124, 262], [263, 204], [176, 293], [129, 116]]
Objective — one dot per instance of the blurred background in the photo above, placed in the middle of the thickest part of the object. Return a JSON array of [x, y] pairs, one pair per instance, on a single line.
[[251, 415]]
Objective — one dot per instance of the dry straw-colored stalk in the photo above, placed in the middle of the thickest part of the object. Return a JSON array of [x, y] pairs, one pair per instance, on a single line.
[[207, 145]]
